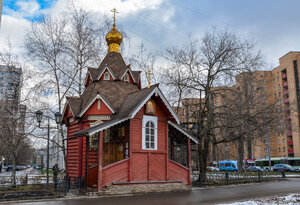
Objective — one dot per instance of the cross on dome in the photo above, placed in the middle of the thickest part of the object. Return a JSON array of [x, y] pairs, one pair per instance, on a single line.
[[115, 11]]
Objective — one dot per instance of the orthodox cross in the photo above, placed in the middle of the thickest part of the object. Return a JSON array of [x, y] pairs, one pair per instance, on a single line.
[[149, 77], [115, 11]]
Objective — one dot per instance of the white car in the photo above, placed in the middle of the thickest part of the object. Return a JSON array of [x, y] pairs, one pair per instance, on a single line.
[[213, 169]]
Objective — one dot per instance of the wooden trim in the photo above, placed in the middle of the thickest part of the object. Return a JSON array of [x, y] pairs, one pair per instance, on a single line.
[[148, 166], [130, 149], [86, 159], [115, 164], [167, 148], [179, 165], [189, 160], [149, 151], [100, 153]]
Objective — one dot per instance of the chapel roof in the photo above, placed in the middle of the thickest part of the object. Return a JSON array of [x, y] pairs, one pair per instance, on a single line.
[[112, 92]]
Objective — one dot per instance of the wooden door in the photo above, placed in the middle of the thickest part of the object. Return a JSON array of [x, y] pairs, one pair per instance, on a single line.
[[112, 153]]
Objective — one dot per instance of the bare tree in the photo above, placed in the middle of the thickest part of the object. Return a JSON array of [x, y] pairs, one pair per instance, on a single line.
[[246, 113], [15, 144], [211, 62], [62, 48]]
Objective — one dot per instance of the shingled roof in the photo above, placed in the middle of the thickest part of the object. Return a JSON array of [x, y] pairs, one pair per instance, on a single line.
[[136, 75], [115, 62], [131, 102], [112, 92], [131, 105]]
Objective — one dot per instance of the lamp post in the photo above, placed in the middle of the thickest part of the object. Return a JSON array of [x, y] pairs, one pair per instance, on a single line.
[[39, 116]]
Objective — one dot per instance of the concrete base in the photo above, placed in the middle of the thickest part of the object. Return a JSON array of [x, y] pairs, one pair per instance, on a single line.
[[144, 188]]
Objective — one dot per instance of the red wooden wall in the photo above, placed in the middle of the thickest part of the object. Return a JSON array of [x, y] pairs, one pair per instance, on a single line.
[[149, 165]]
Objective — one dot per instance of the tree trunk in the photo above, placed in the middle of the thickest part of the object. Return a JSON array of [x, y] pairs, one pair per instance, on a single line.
[[240, 153]]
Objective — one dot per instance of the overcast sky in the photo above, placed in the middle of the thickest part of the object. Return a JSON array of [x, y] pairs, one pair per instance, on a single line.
[[273, 24]]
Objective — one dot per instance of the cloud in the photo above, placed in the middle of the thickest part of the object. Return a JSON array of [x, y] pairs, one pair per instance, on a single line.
[[125, 8], [29, 8], [24, 9], [13, 28]]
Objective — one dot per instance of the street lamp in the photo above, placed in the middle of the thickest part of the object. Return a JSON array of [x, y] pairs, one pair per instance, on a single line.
[[58, 116]]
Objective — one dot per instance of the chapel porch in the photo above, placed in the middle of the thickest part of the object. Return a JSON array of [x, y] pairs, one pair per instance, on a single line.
[[123, 164]]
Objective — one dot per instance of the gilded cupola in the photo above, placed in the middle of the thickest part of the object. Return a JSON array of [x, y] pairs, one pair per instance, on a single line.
[[114, 37]]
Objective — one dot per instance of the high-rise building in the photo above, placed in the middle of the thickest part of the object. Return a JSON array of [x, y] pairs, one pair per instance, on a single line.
[[12, 112], [278, 87], [10, 83]]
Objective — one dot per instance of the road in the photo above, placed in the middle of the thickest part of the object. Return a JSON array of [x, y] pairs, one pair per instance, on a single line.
[[30, 171], [197, 196]]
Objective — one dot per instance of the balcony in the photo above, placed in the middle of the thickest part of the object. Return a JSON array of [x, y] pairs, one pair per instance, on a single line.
[[287, 108], [283, 76], [290, 151], [285, 84], [290, 142], [289, 134], [288, 117], [285, 93]]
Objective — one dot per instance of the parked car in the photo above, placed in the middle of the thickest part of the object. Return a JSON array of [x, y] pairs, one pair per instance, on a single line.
[[9, 168], [285, 168], [4, 167], [254, 169], [229, 165], [213, 169]]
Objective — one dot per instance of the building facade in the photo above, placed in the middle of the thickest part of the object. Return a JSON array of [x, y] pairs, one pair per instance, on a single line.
[[278, 87], [12, 112], [120, 133]]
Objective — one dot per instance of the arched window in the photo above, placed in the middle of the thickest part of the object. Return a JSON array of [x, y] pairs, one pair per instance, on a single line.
[[149, 141]]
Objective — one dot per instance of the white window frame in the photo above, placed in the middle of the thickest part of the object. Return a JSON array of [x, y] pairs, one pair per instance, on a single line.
[[126, 76], [147, 118], [105, 76]]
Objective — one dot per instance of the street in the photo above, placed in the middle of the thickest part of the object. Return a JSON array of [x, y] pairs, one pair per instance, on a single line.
[[197, 196], [30, 171]]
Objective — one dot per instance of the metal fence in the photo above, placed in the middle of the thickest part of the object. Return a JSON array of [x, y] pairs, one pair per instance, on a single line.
[[226, 178], [32, 187]]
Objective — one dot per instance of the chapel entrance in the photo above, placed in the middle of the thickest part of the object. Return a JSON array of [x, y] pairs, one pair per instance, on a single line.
[[115, 144]]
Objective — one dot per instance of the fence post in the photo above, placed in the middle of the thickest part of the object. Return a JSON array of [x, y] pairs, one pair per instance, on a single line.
[[227, 178], [200, 179], [283, 174], [259, 176]]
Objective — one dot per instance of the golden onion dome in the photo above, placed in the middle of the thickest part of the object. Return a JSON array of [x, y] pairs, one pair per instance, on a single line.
[[114, 39]]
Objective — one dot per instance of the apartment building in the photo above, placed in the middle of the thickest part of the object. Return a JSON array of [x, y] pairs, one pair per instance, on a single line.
[[12, 119], [278, 87]]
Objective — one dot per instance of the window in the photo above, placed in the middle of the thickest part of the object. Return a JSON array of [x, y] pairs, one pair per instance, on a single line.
[[278, 141], [266, 149], [283, 149], [126, 78], [277, 78], [283, 140], [99, 104], [279, 150], [149, 136], [106, 76], [225, 145]]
